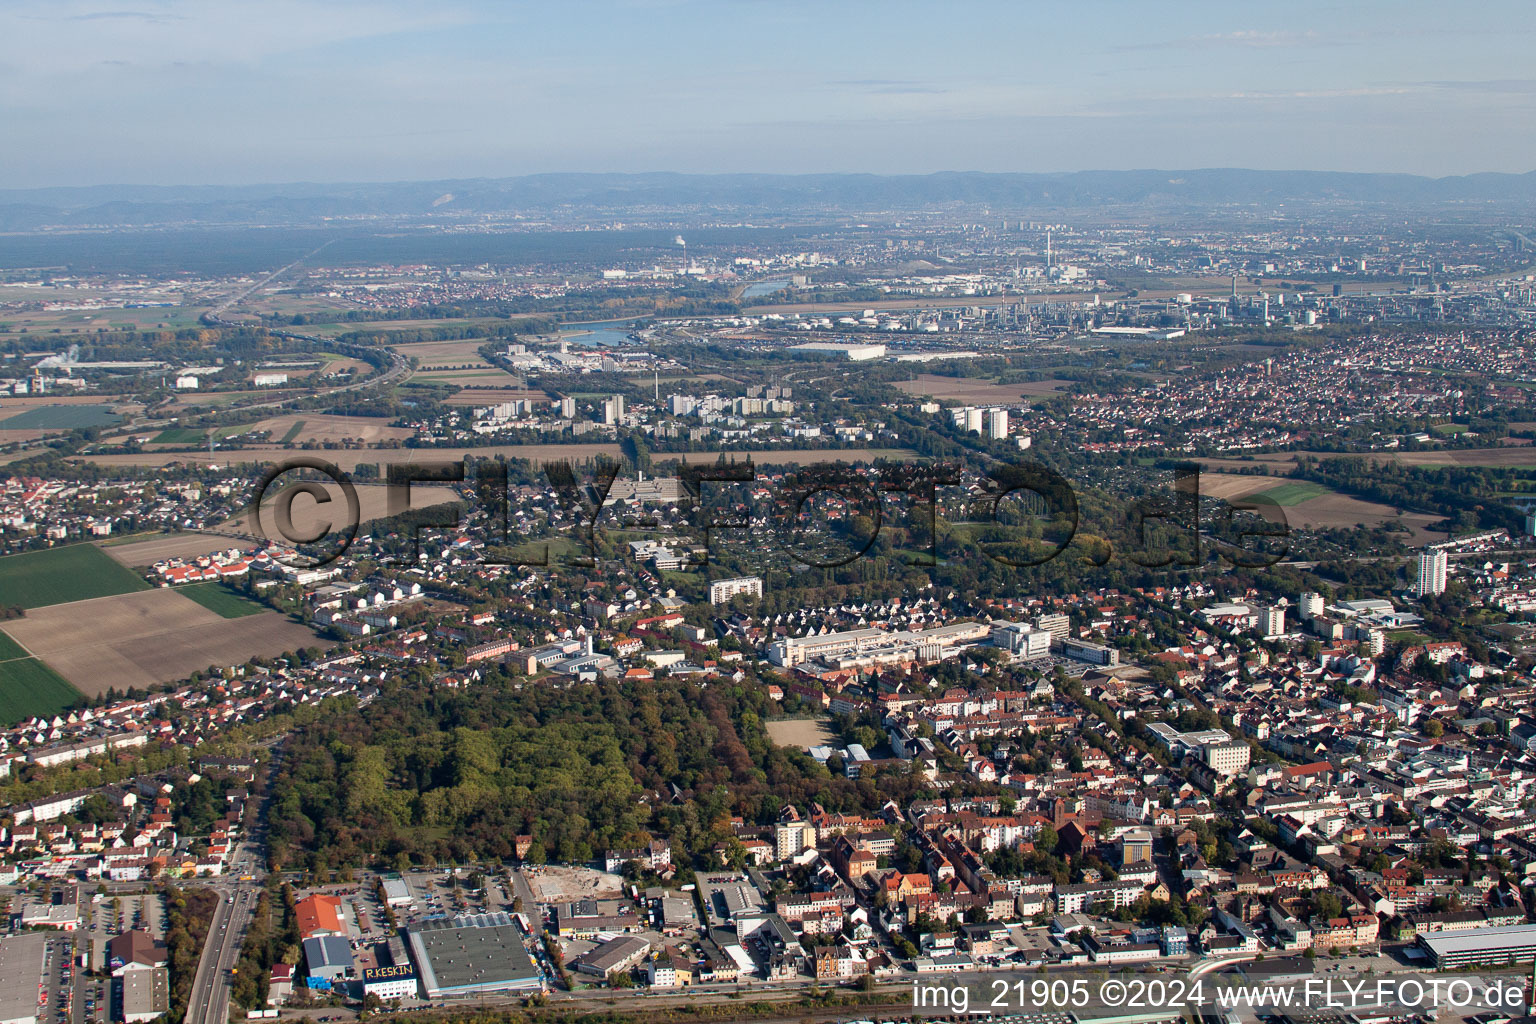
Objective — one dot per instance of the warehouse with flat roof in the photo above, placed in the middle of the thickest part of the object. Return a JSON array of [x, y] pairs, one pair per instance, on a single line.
[[472, 955], [143, 995], [1484, 947], [21, 972]]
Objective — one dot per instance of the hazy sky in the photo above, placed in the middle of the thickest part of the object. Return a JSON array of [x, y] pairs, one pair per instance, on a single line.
[[205, 91]]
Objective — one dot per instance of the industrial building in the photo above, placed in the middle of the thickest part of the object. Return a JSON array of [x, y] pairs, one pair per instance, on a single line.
[[143, 995], [328, 957], [472, 955], [397, 893], [854, 353], [397, 981], [613, 957], [21, 969], [1484, 947]]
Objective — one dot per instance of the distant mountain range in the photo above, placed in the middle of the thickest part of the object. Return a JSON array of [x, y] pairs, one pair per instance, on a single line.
[[571, 197]]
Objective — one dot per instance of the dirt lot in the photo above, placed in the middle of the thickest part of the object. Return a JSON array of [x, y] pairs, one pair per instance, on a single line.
[[146, 638], [979, 392], [176, 545], [557, 884], [800, 732]]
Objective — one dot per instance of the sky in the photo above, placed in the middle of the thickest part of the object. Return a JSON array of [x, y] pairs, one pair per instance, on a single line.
[[181, 92]]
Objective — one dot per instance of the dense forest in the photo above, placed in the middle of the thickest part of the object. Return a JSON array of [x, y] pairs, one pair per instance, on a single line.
[[428, 774]]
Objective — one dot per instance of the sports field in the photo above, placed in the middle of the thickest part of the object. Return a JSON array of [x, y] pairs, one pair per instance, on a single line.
[[221, 600], [75, 572]]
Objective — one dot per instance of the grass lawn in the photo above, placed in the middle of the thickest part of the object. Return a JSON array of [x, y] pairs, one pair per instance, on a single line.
[[1294, 493], [293, 432], [75, 572], [221, 600], [28, 688]]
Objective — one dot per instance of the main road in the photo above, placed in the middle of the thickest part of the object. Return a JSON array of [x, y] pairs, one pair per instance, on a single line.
[[209, 1001]]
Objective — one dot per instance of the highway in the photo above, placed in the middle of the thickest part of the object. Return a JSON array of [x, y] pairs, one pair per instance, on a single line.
[[209, 1001]]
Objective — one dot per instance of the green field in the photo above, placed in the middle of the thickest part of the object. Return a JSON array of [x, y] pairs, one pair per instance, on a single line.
[[293, 432], [62, 417], [75, 572], [10, 649], [218, 598], [1293, 493], [28, 688]]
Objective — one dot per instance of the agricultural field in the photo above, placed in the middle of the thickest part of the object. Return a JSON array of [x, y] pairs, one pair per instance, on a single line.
[[1308, 505], [148, 638], [1293, 492], [91, 321], [29, 688], [1228, 486], [221, 600], [331, 330], [75, 572], [482, 397], [350, 459], [978, 392], [10, 650], [1334, 511], [196, 435], [296, 428], [149, 550], [433, 354], [1519, 456], [61, 417], [487, 377], [372, 501], [790, 457]]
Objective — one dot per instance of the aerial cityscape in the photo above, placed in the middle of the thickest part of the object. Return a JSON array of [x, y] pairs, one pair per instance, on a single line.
[[502, 523]]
